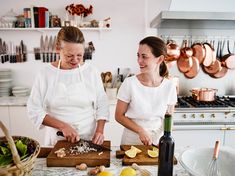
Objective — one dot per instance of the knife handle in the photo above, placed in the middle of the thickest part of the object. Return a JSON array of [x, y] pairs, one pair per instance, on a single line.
[[60, 133]]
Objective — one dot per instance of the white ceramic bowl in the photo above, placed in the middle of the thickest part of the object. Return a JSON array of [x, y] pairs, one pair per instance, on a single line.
[[196, 161]]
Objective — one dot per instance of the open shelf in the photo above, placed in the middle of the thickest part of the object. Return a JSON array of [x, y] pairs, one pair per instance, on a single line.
[[51, 29]]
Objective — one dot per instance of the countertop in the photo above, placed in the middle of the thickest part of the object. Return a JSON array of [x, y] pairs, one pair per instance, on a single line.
[[13, 101], [22, 101], [40, 167]]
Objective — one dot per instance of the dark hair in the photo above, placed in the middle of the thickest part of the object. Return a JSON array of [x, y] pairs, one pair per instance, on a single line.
[[158, 48], [69, 34]]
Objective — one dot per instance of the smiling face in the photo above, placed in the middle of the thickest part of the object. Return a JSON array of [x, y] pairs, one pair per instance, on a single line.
[[146, 60], [71, 55]]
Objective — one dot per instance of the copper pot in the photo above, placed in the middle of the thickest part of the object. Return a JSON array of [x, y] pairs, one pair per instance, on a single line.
[[173, 51], [204, 94]]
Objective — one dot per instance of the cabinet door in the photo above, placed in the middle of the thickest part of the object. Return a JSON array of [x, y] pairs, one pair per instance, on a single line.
[[203, 136], [4, 118], [113, 130], [230, 136], [21, 125]]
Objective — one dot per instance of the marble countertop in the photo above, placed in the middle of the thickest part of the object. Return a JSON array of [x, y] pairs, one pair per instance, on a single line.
[[40, 167]]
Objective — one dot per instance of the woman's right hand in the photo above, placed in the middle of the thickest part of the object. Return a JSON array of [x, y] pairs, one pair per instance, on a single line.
[[145, 137], [70, 133]]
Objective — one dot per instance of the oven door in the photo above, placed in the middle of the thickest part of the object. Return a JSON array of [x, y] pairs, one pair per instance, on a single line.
[[229, 139], [197, 135]]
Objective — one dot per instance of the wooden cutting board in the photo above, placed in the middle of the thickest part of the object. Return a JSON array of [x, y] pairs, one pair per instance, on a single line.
[[92, 159], [140, 159]]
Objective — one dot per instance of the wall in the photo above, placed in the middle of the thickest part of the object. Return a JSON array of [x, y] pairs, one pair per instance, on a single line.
[[118, 47]]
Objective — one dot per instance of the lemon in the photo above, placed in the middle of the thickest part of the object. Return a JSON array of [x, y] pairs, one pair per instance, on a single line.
[[128, 171], [153, 153], [135, 148], [131, 153], [105, 173], [155, 148]]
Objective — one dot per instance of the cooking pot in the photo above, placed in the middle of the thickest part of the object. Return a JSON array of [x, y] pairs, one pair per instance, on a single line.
[[204, 94]]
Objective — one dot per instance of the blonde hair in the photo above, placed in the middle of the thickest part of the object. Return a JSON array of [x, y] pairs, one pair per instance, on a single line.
[[69, 34]]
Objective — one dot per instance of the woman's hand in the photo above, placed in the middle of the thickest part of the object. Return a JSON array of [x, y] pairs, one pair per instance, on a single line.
[[98, 138], [145, 137], [70, 133]]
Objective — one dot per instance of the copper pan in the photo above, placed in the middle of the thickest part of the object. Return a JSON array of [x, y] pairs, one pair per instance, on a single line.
[[199, 52], [215, 65], [185, 61], [229, 59], [194, 69], [209, 55], [204, 94], [173, 51], [224, 69]]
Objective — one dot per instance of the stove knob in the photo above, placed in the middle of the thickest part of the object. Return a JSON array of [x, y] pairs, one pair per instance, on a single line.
[[212, 115], [233, 115], [184, 116], [193, 116], [202, 116]]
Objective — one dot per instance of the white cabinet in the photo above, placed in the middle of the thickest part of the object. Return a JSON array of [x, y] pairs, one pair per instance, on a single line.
[[201, 136], [4, 118], [22, 125], [113, 130], [16, 120], [230, 136]]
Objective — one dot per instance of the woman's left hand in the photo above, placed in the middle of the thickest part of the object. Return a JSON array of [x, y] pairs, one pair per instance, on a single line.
[[98, 138]]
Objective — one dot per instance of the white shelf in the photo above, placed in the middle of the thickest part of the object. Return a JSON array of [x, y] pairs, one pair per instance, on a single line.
[[52, 29]]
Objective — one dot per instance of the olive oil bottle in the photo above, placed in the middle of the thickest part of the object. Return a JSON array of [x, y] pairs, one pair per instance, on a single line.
[[166, 149]]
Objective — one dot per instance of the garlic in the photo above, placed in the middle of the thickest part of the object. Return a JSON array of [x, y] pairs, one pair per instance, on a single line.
[[102, 168], [82, 166], [60, 153]]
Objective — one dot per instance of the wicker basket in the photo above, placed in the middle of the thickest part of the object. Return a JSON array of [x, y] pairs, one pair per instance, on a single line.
[[20, 167]]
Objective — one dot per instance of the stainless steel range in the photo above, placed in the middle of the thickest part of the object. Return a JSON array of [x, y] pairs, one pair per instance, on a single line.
[[201, 123], [220, 111]]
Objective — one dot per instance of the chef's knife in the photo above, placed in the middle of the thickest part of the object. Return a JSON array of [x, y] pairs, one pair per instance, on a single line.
[[92, 145]]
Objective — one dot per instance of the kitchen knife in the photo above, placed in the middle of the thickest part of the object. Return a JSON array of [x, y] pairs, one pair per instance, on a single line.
[[92, 145], [42, 49]]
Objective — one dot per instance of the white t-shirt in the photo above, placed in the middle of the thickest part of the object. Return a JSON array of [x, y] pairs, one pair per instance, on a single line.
[[147, 103], [42, 90]]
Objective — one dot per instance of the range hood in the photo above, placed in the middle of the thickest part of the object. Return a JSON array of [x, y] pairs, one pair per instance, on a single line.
[[194, 20]]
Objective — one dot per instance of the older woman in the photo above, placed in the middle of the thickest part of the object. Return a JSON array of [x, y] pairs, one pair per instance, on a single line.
[[68, 94]]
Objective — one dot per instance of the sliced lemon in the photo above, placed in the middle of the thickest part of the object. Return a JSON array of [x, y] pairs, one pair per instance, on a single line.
[[131, 153], [153, 153], [128, 171], [155, 148], [135, 148]]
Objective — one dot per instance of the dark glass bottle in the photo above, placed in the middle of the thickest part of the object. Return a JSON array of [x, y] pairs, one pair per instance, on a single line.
[[166, 149]]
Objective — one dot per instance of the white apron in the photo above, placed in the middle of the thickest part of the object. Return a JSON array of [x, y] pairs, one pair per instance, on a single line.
[[71, 104], [153, 127]]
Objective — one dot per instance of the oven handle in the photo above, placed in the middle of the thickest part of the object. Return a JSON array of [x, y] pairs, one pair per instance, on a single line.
[[199, 127], [230, 128]]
